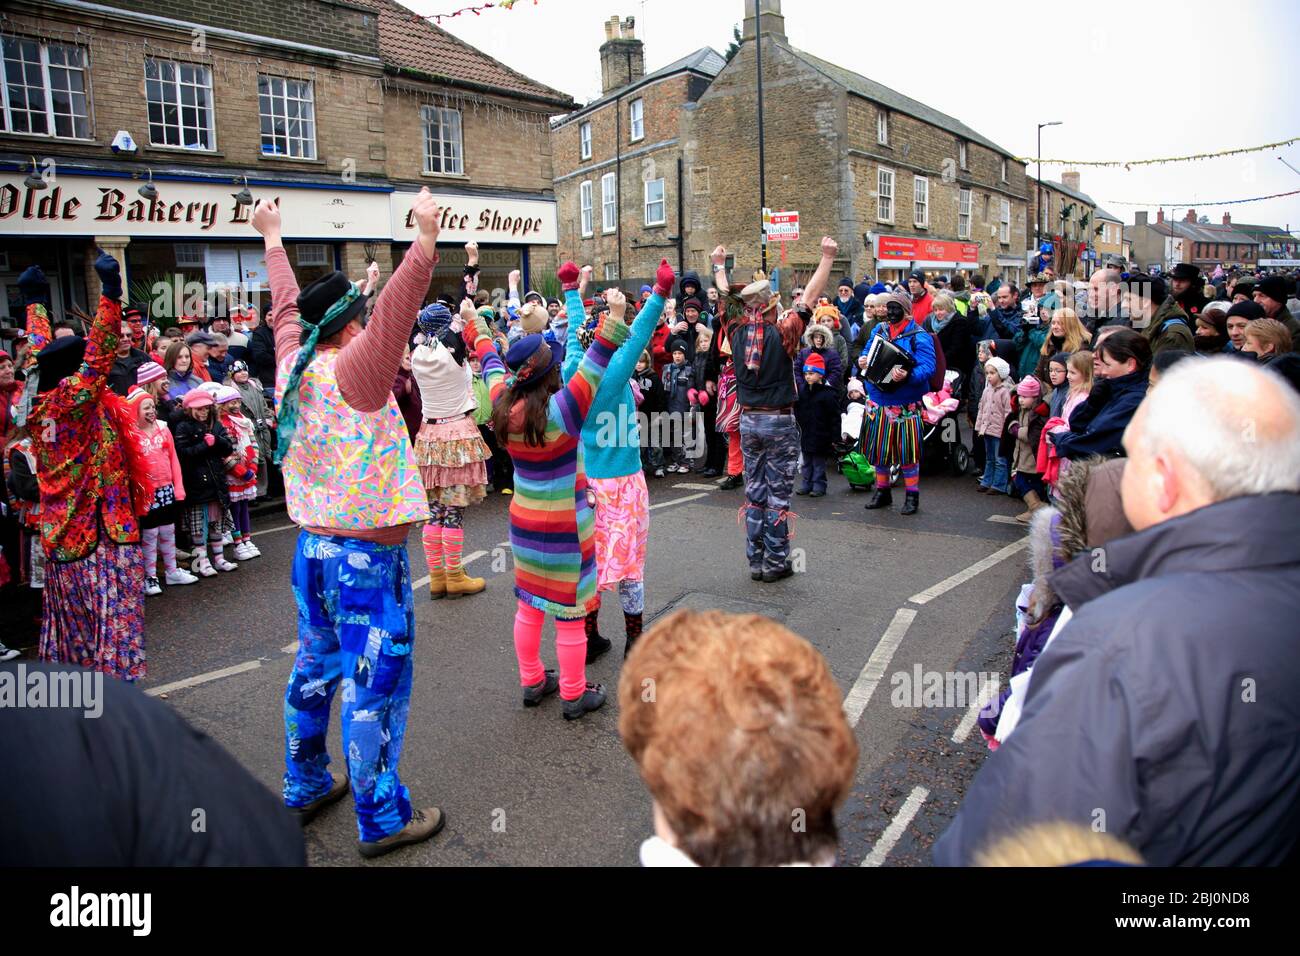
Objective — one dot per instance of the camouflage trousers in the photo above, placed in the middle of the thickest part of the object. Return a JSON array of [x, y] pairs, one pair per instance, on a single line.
[[770, 445]]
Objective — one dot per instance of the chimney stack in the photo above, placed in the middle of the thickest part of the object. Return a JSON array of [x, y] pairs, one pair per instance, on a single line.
[[1140, 218], [622, 55], [1191, 216], [1160, 215], [1070, 180], [769, 11], [1227, 219]]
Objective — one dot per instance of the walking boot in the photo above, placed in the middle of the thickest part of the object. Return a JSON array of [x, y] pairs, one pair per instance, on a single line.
[[424, 824], [593, 698], [771, 577], [731, 481], [911, 502], [1034, 502], [308, 812], [633, 623], [460, 584], [437, 584], [881, 498], [534, 694], [596, 645]]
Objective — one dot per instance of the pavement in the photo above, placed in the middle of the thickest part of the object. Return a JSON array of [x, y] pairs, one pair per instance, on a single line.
[[877, 593]]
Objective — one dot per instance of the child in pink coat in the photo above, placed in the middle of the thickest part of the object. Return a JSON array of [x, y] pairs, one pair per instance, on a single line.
[[158, 525]]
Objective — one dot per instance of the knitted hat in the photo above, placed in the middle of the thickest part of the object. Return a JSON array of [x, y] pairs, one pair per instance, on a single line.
[[551, 302], [692, 303], [1060, 358], [861, 291], [855, 386], [225, 395], [815, 363], [1251, 310], [136, 395], [918, 275], [1029, 387], [240, 366], [645, 289], [533, 318], [197, 398], [676, 345], [151, 372], [903, 298], [845, 283], [1274, 287], [877, 289], [827, 315], [529, 359], [433, 318], [1000, 366]]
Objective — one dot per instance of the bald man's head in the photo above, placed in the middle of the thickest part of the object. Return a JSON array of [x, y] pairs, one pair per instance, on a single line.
[[1216, 428]]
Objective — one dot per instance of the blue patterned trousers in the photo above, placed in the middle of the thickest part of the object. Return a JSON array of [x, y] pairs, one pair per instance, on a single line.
[[356, 628], [770, 445]]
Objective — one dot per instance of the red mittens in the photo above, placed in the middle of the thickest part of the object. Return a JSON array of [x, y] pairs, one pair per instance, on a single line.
[[568, 274], [209, 439], [664, 278]]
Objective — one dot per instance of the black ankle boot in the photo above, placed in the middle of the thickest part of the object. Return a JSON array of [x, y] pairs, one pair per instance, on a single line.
[[882, 498], [911, 502], [596, 645], [633, 622]]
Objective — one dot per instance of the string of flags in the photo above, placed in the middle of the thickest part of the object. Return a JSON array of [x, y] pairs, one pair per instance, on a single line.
[[1130, 163], [437, 18], [1198, 205]]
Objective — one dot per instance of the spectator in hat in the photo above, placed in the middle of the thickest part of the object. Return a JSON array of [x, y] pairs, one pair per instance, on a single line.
[[1241, 314], [1211, 332], [1271, 295], [679, 382], [850, 308], [1140, 707], [219, 360], [200, 346], [1188, 288], [1157, 316], [127, 359], [921, 297], [818, 414]]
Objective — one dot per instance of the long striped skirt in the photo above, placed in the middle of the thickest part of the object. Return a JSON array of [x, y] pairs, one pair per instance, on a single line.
[[94, 611], [891, 435]]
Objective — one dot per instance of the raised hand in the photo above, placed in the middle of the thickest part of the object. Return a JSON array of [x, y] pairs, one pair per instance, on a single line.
[[515, 276], [568, 275], [33, 285], [616, 301], [584, 280], [829, 247], [719, 256], [266, 219], [664, 278], [110, 276], [471, 253]]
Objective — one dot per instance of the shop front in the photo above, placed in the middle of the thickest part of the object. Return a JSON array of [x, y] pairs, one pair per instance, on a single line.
[[897, 256]]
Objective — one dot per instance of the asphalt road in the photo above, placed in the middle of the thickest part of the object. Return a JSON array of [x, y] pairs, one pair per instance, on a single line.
[[523, 787]]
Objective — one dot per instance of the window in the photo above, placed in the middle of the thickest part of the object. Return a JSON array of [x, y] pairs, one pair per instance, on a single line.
[[1045, 225], [961, 153], [636, 112], [963, 214], [584, 141], [921, 200], [288, 113], [1004, 169], [1004, 222], [44, 89], [313, 254], [985, 217], [654, 202], [611, 271], [190, 255], [443, 154], [608, 203], [700, 180], [882, 128], [885, 195], [584, 202], [180, 104]]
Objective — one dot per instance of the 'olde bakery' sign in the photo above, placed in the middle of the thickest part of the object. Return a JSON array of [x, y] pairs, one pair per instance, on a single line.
[[86, 206]]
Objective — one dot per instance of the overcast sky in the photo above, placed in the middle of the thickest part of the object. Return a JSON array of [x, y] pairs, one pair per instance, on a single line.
[[1161, 79]]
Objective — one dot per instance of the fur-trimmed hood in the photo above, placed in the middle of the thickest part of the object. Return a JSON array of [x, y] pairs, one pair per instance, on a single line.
[[825, 330]]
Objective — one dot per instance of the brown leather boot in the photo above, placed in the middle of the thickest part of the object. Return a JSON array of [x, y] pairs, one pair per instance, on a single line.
[[437, 584], [460, 584], [1034, 502]]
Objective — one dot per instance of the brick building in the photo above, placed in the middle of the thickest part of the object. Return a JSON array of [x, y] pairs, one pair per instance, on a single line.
[[1167, 242], [1278, 248], [342, 109], [897, 183]]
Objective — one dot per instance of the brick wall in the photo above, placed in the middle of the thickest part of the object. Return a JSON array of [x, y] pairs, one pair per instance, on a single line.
[[325, 23]]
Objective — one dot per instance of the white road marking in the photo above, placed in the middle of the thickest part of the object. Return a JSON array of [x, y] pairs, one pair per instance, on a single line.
[[897, 826], [204, 678], [961, 577], [290, 648], [860, 694], [283, 527], [679, 501], [696, 486], [987, 690], [1004, 519]]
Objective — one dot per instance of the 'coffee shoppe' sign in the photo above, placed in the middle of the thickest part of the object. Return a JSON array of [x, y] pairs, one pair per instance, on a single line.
[[85, 205]]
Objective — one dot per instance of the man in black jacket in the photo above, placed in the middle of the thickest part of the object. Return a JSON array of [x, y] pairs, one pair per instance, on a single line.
[[1164, 709], [1188, 289], [129, 359]]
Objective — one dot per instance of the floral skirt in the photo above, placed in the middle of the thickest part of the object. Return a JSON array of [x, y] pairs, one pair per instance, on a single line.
[[622, 528], [94, 611], [891, 435], [452, 458]]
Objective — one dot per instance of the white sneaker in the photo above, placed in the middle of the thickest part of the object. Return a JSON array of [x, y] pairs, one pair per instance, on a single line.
[[7, 653], [151, 587], [241, 552], [252, 548], [221, 564], [227, 539], [202, 566], [180, 576]]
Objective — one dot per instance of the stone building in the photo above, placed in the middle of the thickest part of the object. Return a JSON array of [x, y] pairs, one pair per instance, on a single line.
[[341, 109], [897, 183], [1066, 214]]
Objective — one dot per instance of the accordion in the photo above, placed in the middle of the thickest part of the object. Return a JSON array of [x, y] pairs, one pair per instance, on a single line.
[[882, 357]]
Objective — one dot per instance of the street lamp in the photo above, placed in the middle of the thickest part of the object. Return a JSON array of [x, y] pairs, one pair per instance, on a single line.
[[1038, 204]]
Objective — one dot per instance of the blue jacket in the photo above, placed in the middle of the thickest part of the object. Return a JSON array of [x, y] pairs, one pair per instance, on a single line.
[[611, 439], [916, 341], [1097, 425], [999, 324]]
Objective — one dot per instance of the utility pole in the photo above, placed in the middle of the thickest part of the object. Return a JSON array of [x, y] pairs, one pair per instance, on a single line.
[[762, 181]]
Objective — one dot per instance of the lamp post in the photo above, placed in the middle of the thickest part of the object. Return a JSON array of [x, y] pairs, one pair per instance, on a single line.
[[1038, 196], [762, 179]]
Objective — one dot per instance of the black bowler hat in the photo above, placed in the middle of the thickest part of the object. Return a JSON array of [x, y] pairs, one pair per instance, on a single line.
[[1185, 270], [315, 300], [58, 360]]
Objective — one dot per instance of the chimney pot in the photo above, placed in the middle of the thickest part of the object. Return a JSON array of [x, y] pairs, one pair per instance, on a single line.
[[1227, 219], [1070, 179], [1191, 215], [622, 55], [1160, 215]]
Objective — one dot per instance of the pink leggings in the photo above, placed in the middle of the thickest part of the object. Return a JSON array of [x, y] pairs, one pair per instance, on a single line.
[[570, 648], [159, 540]]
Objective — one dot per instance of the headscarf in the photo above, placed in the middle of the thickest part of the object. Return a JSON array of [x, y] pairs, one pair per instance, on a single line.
[[287, 423]]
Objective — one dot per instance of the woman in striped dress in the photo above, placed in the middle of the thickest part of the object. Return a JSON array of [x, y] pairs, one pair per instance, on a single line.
[[539, 423]]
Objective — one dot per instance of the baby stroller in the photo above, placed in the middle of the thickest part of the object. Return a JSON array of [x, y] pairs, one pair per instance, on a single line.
[[853, 465], [941, 441]]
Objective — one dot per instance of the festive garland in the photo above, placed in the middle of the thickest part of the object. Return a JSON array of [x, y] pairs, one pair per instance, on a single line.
[[1197, 205], [477, 11], [1167, 159]]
